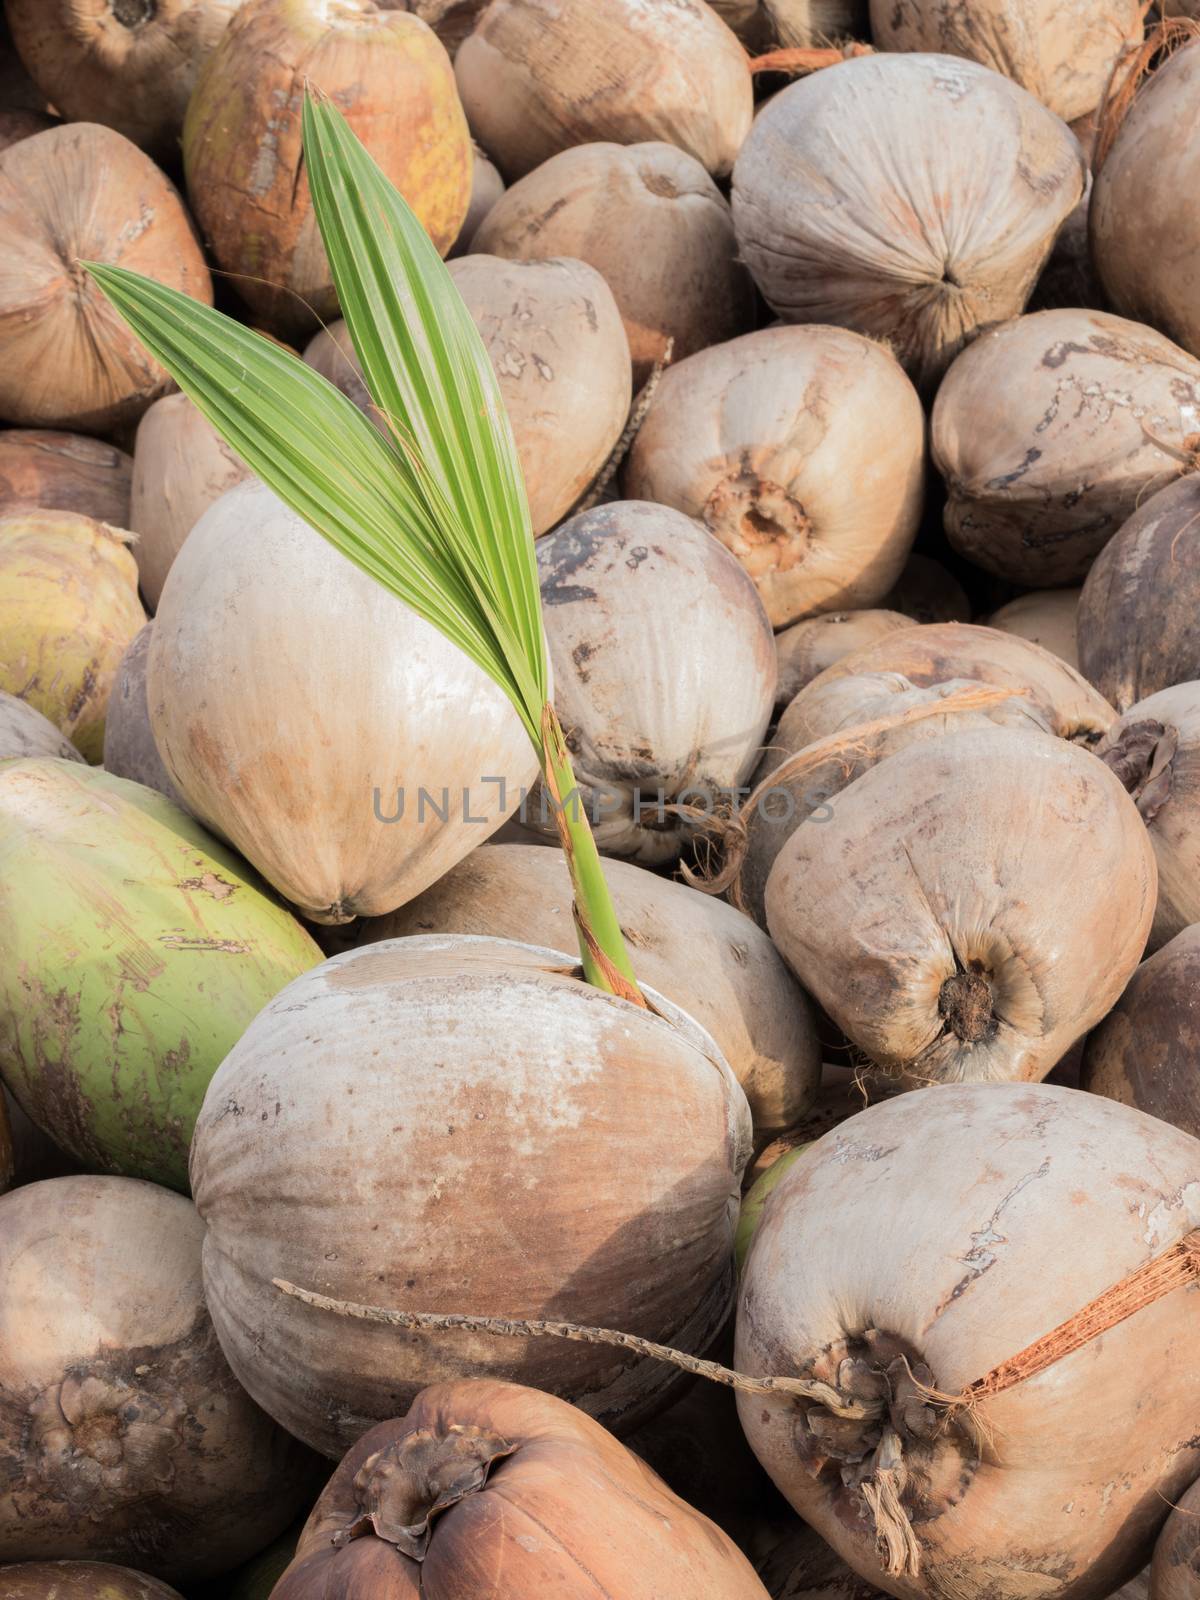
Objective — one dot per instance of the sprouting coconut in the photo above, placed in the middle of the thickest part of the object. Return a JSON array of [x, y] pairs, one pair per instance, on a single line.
[[806, 648], [42, 470], [129, 747], [26, 732], [1046, 617]]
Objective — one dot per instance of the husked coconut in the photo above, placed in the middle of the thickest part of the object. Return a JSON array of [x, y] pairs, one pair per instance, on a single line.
[[588, 1171], [26, 732], [68, 608], [331, 352], [807, 648], [1051, 431], [131, 64], [312, 740], [1138, 612], [919, 230], [1147, 263], [486, 188], [926, 592], [80, 1580], [181, 464], [1063, 53], [761, 440], [124, 1436], [391, 79], [1046, 617], [64, 472], [634, 596], [932, 1240], [1173, 1569], [682, 282], [970, 906], [67, 357], [701, 953], [129, 747], [538, 76]]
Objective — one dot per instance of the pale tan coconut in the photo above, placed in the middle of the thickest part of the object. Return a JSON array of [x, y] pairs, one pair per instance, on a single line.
[[761, 440], [67, 358], [129, 747], [807, 648], [538, 76], [1046, 617], [181, 464], [926, 592], [1050, 431], [852, 209], [683, 281], [24, 731], [486, 188], [64, 472]]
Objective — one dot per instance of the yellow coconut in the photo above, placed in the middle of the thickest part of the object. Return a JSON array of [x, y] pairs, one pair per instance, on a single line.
[[68, 608]]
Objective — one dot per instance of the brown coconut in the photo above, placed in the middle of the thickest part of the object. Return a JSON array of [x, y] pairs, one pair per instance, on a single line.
[[64, 472], [1050, 431], [705, 956], [486, 188], [129, 747], [80, 1580], [538, 76], [1176, 1564], [807, 648], [181, 464], [969, 906], [682, 283], [130, 64], [24, 731], [1139, 612], [67, 358], [1144, 242], [761, 440], [1046, 617], [926, 592], [123, 1434], [390, 77], [852, 209]]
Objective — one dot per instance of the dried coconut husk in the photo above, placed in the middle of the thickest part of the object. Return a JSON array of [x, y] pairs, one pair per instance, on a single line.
[[67, 358], [1139, 612], [80, 1580], [26, 732], [761, 440], [486, 188], [1050, 431], [1046, 617], [986, 177], [1177, 1551], [683, 282], [926, 592], [18, 125], [970, 906], [807, 648], [536, 78], [64, 472], [129, 747]]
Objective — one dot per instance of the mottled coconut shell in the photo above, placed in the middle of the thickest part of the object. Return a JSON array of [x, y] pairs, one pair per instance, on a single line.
[[968, 907], [683, 282], [129, 747], [761, 440], [391, 78], [589, 1171], [1046, 617], [926, 592], [954, 1229], [1139, 612], [80, 1580], [486, 188], [852, 209], [76, 193], [1051, 431], [123, 1434], [26, 732], [1146, 245], [1173, 1571], [538, 76], [64, 472], [807, 648]]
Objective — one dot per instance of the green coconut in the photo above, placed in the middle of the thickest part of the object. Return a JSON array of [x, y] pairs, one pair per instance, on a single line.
[[755, 1199], [137, 950]]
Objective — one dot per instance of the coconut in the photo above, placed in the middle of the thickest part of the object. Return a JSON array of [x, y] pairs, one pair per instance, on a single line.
[[1180, 8], [755, 1199], [634, 597], [26, 732], [67, 357], [682, 284], [933, 1238], [68, 608], [595, 1182], [1176, 1556], [138, 951], [1050, 431], [331, 352], [486, 188], [353, 757], [181, 464], [131, 64], [493, 1460], [1137, 613], [129, 747], [970, 906], [538, 76], [80, 1580], [392, 80], [17, 125], [1148, 267], [761, 440], [852, 209], [123, 1435], [701, 953], [1047, 618], [1063, 54], [807, 648], [63, 472], [926, 592]]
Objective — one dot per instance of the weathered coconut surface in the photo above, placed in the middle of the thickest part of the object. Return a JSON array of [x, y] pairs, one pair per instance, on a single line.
[[1050, 431], [1176, 1553], [1146, 263], [1139, 623], [590, 1171], [42, 469], [972, 905], [682, 282], [1047, 617], [807, 648], [761, 440], [926, 592], [129, 747], [953, 1229], [24, 731], [486, 188], [918, 230], [701, 953], [67, 358], [80, 1580], [123, 1434]]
